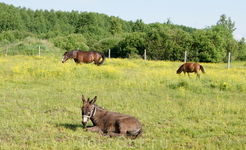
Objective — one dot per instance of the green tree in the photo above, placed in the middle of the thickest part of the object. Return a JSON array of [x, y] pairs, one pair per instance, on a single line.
[[71, 42], [227, 23], [133, 44], [225, 28], [26, 19], [10, 18], [167, 42], [116, 26], [108, 43], [39, 22], [242, 50], [139, 26], [73, 18], [207, 46]]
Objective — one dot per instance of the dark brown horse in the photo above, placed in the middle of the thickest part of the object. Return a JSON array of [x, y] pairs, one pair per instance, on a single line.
[[109, 123], [191, 67], [84, 56]]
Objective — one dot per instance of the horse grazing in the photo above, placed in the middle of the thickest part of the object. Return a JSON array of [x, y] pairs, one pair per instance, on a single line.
[[191, 67], [109, 123], [80, 56]]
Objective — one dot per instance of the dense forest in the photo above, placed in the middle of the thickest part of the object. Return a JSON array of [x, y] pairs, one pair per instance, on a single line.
[[21, 27]]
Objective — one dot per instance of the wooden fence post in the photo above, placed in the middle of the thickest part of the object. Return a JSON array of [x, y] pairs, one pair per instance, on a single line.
[[7, 49], [38, 51], [109, 53], [144, 54], [229, 60], [185, 56]]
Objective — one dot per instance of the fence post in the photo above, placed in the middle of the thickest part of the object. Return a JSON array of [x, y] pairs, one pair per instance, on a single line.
[[229, 59], [38, 51], [109, 53], [7, 49], [144, 54], [185, 56]]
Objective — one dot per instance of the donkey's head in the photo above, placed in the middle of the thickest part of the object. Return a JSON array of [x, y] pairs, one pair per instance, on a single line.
[[88, 109]]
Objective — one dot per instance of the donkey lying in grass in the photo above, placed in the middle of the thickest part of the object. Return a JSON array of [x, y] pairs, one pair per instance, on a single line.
[[109, 123]]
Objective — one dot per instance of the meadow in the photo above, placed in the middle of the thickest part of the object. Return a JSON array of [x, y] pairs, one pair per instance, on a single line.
[[41, 98]]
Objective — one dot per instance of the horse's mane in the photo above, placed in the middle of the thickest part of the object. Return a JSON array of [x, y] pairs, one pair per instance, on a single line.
[[79, 50], [181, 67]]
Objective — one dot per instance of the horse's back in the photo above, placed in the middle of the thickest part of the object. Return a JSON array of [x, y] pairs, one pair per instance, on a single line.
[[193, 67], [84, 56], [189, 67]]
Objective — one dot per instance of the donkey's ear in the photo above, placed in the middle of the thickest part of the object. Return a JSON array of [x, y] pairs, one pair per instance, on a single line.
[[83, 98], [93, 100]]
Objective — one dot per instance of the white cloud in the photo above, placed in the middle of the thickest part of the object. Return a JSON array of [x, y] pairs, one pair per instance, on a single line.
[[238, 36]]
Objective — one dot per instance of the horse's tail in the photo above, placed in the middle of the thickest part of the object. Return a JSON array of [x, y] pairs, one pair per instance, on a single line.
[[103, 58], [201, 67]]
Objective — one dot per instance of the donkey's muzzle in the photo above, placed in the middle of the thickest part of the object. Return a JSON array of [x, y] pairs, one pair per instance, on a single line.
[[84, 123]]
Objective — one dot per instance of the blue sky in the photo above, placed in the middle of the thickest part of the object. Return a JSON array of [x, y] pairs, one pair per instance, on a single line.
[[193, 13]]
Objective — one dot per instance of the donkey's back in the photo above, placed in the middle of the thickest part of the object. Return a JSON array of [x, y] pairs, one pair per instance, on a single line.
[[122, 124]]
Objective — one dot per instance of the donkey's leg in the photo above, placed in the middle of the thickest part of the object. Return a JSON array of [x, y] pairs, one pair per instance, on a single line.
[[94, 129], [113, 134], [128, 127]]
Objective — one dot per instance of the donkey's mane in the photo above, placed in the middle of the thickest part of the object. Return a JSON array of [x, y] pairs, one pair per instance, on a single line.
[[99, 106]]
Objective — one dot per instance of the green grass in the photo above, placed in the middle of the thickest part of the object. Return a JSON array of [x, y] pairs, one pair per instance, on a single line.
[[41, 98]]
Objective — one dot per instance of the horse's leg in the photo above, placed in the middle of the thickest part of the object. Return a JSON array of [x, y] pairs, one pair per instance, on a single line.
[[188, 74], [96, 63], [76, 61], [198, 75]]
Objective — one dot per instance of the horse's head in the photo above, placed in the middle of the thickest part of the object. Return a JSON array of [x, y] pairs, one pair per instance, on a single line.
[[88, 109], [65, 57], [180, 69]]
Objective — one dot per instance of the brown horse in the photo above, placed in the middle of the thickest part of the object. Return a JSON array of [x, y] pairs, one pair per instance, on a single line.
[[191, 67], [109, 123], [84, 56]]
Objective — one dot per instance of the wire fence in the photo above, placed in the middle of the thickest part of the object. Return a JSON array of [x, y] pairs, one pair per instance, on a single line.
[[24, 50], [38, 50]]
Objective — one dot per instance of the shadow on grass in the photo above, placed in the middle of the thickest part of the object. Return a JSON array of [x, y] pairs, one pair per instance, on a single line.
[[70, 126]]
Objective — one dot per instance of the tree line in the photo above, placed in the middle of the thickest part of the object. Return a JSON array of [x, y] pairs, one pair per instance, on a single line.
[[100, 32]]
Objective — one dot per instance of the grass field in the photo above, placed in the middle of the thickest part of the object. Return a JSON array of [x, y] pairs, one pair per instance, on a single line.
[[41, 98]]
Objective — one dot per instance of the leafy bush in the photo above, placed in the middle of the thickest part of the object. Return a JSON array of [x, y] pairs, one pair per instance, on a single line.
[[71, 42]]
